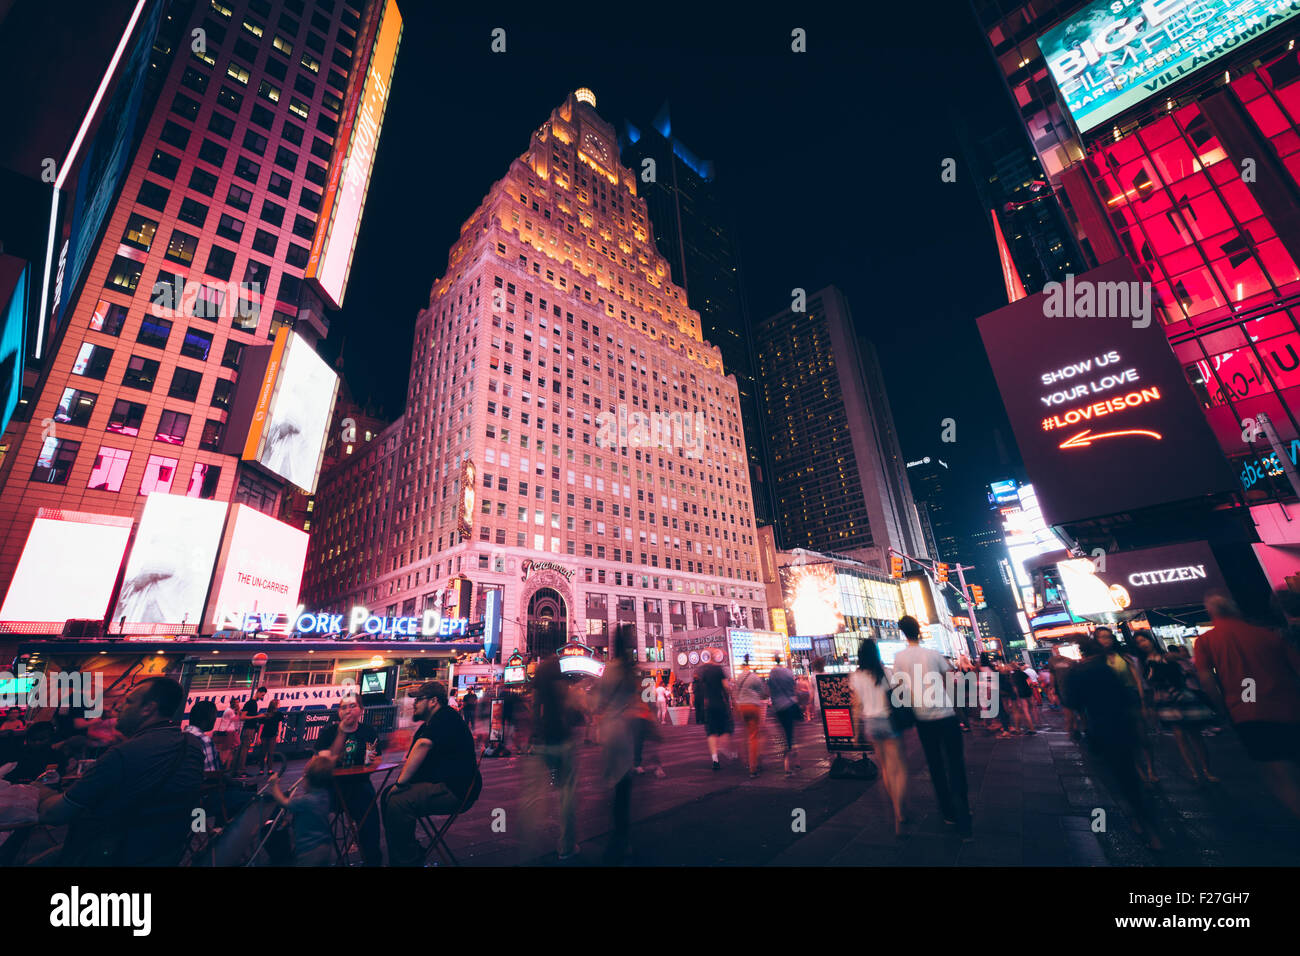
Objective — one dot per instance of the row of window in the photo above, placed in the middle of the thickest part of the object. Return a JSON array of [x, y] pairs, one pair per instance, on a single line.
[[58, 455]]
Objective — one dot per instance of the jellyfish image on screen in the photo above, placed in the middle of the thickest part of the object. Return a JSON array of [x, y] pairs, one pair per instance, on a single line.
[[171, 561], [299, 416]]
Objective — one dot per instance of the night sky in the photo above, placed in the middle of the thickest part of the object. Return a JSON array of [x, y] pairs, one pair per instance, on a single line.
[[829, 161]]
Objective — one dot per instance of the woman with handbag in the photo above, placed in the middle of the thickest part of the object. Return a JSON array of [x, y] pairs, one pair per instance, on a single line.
[[881, 723], [1179, 704]]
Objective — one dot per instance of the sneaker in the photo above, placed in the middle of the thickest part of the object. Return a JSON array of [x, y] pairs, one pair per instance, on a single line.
[[717, 765]]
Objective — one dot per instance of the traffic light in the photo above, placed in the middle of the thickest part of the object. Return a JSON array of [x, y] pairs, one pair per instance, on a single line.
[[895, 565], [977, 594], [941, 573]]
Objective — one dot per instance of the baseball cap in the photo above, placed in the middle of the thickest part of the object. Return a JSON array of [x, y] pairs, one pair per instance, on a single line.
[[431, 688]]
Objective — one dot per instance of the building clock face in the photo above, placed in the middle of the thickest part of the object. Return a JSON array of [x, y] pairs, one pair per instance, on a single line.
[[595, 146]]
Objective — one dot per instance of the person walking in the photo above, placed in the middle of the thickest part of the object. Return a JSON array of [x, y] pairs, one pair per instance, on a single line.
[[1178, 702], [924, 674], [1254, 674], [248, 729], [271, 722], [1126, 668], [661, 702], [785, 704], [469, 710], [751, 691], [554, 764], [714, 701], [872, 685], [1096, 690], [618, 694]]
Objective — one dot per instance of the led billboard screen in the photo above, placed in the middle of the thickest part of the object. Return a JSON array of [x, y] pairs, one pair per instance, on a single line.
[[68, 567], [813, 598], [292, 417], [170, 566], [1113, 54], [349, 177], [259, 572], [15, 281], [1103, 415], [1172, 576]]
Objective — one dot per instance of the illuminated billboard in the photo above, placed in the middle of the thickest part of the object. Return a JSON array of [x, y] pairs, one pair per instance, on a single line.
[[812, 596], [15, 281], [1101, 410], [1113, 54], [260, 571], [1172, 576], [354, 157], [291, 419], [170, 566], [68, 567]]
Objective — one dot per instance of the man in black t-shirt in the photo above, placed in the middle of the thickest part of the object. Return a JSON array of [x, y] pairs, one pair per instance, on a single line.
[[354, 744], [247, 730], [439, 776]]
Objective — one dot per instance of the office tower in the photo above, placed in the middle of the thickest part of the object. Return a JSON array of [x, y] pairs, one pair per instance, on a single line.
[[1014, 193], [692, 231], [569, 437], [201, 256], [931, 481], [838, 477]]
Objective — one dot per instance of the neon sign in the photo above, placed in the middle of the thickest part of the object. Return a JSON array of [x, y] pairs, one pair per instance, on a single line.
[[360, 620]]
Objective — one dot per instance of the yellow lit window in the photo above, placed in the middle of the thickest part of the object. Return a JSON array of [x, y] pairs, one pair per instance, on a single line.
[[269, 92], [311, 63], [205, 56], [283, 45], [253, 28], [222, 9], [237, 73], [298, 108]]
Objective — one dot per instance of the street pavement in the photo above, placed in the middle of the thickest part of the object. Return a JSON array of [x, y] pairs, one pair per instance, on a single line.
[[1033, 801]]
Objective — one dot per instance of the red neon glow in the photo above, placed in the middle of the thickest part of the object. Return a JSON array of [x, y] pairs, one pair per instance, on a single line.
[[1015, 288], [1086, 438]]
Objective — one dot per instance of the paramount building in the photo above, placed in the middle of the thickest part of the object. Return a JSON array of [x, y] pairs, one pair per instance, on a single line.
[[570, 440]]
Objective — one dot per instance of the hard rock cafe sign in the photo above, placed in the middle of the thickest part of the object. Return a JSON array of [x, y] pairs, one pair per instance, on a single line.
[[530, 567]]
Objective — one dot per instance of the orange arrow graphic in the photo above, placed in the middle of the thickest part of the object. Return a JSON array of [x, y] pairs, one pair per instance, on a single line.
[[1085, 437]]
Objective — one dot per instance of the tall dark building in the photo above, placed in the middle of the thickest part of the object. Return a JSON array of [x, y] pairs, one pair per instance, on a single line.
[[932, 480], [692, 231], [838, 478]]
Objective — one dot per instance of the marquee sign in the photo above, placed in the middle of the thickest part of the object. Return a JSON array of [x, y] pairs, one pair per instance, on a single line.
[[529, 567], [359, 620]]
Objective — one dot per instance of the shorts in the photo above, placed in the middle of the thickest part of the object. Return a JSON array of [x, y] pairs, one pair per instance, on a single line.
[[715, 721], [786, 718], [880, 728], [1269, 740]]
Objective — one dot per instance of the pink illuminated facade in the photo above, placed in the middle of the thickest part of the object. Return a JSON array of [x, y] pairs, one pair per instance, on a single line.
[[569, 437], [202, 256]]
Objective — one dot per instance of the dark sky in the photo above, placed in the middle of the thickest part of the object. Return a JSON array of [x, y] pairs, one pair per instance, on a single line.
[[830, 162]]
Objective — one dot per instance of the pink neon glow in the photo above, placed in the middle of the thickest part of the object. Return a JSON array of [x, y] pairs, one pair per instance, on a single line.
[[67, 570]]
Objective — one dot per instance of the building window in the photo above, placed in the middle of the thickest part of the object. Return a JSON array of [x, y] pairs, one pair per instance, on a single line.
[[185, 384], [172, 427], [203, 181], [221, 393], [140, 373], [234, 352], [181, 247], [75, 407], [255, 143], [230, 228], [125, 418], [108, 317], [193, 212], [110, 468], [237, 73], [240, 198], [92, 361], [124, 274], [158, 474], [230, 99], [264, 242], [164, 164], [272, 213], [211, 438], [207, 303], [174, 134], [221, 262], [268, 91], [139, 232], [246, 169], [55, 461], [197, 344], [154, 331], [203, 481]]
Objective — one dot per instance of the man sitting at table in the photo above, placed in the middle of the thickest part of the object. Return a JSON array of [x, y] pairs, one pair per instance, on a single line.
[[348, 741], [438, 773], [134, 806]]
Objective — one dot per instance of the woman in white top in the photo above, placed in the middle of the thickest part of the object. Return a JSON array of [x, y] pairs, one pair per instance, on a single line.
[[871, 686]]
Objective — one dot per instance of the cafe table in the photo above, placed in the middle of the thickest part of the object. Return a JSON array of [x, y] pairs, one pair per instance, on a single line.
[[351, 828]]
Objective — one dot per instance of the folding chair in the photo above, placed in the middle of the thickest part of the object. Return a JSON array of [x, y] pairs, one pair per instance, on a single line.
[[437, 833]]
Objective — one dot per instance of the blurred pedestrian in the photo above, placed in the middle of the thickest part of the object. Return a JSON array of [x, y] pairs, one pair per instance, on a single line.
[[1178, 702], [1097, 691], [271, 722], [310, 808], [1254, 673], [872, 685], [751, 691], [661, 702], [554, 761], [785, 705], [469, 709], [249, 723], [1126, 669], [618, 694], [924, 673], [713, 699]]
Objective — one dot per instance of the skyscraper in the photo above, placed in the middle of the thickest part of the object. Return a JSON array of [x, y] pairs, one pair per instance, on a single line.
[[569, 437], [838, 477], [930, 479], [201, 255], [692, 231]]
